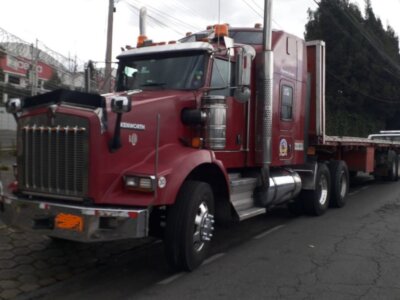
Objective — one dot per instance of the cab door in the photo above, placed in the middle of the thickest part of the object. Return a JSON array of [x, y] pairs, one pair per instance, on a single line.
[[234, 154], [287, 122]]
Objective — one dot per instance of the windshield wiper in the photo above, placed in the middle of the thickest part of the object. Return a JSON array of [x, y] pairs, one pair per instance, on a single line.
[[154, 84]]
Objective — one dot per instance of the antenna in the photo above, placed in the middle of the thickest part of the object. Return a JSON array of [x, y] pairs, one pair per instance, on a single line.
[[219, 11]]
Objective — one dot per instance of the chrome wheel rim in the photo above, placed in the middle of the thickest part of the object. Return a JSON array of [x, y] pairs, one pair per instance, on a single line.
[[343, 185], [203, 227], [323, 184]]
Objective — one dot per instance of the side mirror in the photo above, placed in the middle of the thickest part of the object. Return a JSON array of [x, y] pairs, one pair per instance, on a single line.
[[243, 73], [242, 94], [121, 105]]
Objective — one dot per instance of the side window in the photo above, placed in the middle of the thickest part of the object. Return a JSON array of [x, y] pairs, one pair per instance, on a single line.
[[286, 103], [219, 77], [14, 79]]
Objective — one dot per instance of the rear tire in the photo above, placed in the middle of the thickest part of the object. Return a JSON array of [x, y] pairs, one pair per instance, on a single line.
[[316, 202], [339, 183], [189, 226], [397, 171]]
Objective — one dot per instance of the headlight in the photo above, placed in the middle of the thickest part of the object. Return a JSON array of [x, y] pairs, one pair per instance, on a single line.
[[140, 183]]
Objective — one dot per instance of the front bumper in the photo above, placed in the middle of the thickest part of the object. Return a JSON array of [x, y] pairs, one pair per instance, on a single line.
[[74, 222]]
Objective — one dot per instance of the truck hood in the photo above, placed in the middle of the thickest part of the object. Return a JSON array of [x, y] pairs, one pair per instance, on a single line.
[[141, 95]]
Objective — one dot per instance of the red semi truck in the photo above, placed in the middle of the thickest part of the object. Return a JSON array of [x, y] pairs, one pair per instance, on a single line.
[[221, 126]]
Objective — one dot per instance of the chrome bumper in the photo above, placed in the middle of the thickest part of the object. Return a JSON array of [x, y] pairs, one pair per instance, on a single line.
[[97, 224]]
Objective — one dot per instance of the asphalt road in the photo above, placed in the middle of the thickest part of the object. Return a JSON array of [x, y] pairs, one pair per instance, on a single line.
[[349, 253]]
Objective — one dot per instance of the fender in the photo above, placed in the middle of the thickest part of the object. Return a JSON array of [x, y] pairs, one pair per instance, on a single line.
[[176, 162], [179, 168]]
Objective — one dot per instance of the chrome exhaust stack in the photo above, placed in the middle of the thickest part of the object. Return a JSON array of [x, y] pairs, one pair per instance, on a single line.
[[142, 20], [264, 106], [265, 72]]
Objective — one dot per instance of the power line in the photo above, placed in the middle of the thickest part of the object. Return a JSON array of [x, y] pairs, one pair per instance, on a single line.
[[373, 41], [166, 18], [392, 101], [257, 13], [154, 20], [369, 38]]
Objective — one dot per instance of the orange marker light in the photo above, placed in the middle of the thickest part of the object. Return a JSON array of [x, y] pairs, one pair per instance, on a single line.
[[311, 151], [221, 30], [196, 142], [141, 39]]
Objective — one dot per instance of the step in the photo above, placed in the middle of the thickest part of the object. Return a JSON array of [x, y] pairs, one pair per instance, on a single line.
[[251, 212], [234, 176], [242, 193]]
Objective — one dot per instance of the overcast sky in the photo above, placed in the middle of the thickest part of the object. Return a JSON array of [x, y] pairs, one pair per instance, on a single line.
[[78, 27]]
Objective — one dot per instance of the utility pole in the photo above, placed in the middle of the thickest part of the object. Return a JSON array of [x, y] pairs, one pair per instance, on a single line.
[[34, 71], [107, 72]]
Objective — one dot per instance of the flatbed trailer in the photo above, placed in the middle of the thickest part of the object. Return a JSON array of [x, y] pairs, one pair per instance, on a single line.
[[376, 154]]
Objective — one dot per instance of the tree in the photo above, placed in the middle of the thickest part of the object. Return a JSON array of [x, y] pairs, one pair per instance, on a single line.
[[363, 67]]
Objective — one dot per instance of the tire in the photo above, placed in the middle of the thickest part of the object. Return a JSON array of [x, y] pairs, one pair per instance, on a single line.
[[189, 226], [339, 183], [316, 202], [397, 171]]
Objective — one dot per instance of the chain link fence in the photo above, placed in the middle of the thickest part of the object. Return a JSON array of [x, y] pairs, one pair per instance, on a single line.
[[30, 69]]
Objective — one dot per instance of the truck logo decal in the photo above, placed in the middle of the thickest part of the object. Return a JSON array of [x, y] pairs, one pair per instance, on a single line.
[[133, 126], [133, 138], [283, 148]]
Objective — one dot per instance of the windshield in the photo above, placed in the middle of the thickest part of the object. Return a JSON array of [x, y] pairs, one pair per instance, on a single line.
[[183, 72]]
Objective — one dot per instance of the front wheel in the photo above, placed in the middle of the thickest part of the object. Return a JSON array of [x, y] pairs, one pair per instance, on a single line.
[[190, 226], [316, 202]]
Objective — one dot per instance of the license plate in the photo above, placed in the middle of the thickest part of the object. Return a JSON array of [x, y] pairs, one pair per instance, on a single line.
[[69, 222]]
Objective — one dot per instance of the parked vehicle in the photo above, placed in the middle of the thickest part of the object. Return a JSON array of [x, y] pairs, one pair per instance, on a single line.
[[217, 127]]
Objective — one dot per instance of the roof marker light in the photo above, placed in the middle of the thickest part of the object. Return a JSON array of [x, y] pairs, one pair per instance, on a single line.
[[141, 40], [221, 30]]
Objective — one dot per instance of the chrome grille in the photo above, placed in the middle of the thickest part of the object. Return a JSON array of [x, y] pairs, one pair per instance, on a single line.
[[53, 160]]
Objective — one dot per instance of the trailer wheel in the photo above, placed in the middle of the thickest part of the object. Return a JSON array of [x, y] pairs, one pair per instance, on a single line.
[[316, 202], [189, 226], [396, 169], [339, 183]]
